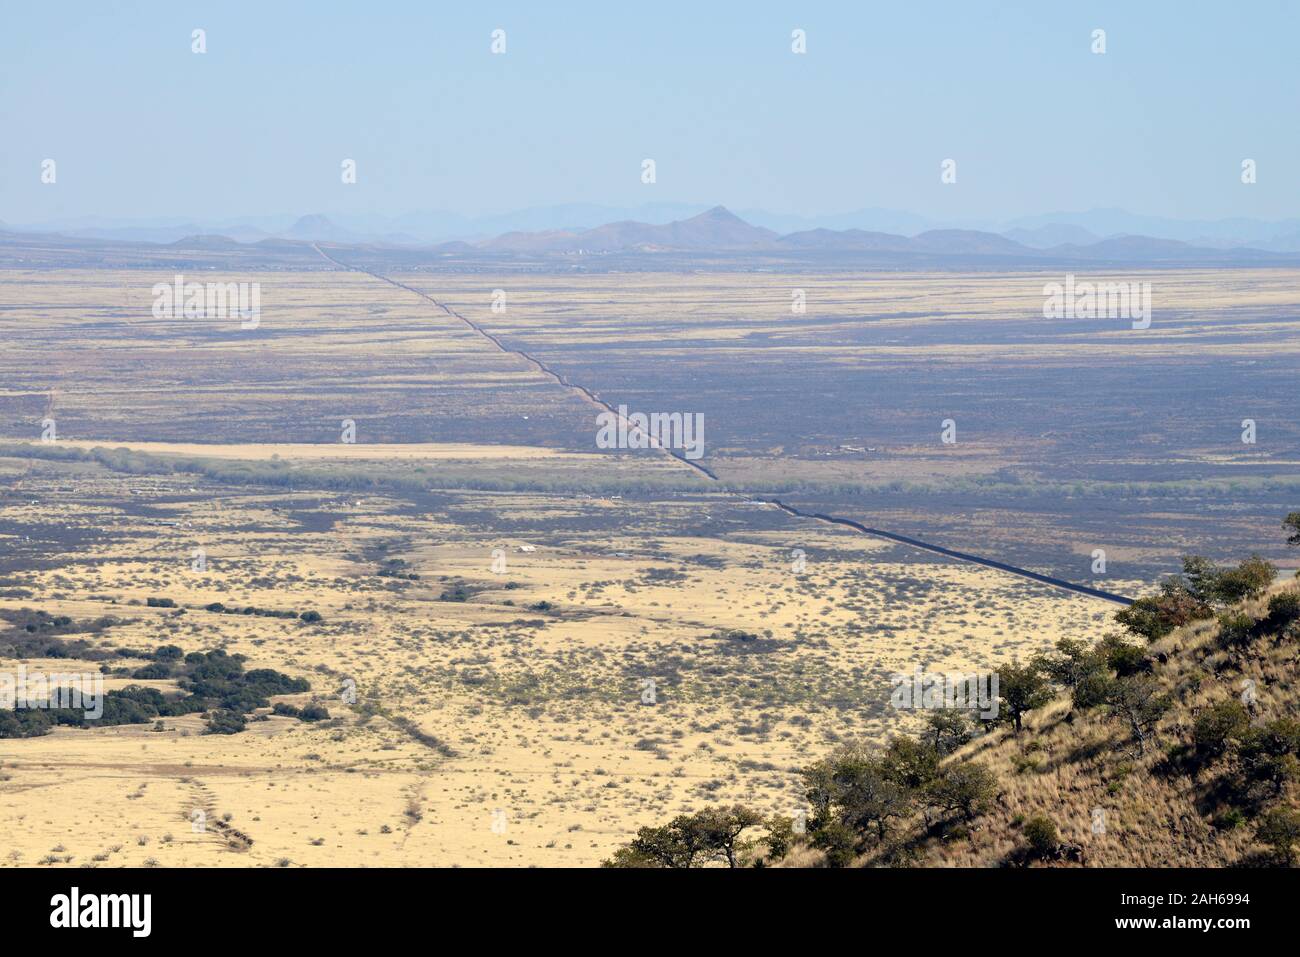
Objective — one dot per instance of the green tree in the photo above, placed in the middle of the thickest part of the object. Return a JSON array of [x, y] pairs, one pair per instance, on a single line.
[[1283, 611], [1137, 701], [1123, 657], [779, 838], [948, 729], [1279, 828], [911, 763], [856, 788], [721, 828], [838, 841], [1269, 753], [1073, 662], [1155, 616], [1250, 579], [968, 788], [1218, 726], [677, 844], [1082, 670], [1021, 688], [1202, 577], [1236, 629]]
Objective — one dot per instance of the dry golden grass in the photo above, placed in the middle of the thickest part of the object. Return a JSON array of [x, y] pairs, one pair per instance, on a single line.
[[1067, 767], [542, 708]]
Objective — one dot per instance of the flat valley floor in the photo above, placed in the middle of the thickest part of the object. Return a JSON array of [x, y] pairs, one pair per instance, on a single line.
[[529, 646]]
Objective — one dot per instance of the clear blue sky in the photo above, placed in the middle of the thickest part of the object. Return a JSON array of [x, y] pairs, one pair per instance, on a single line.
[[142, 127]]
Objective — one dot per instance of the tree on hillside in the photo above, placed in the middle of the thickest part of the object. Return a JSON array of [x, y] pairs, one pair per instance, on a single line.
[[1157, 615], [1236, 630], [1138, 702], [910, 762], [1073, 662], [1202, 577], [709, 835], [779, 838], [855, 788], [948, 729], [721, 828], [1081, 670], [1271, 753], [1279, 828], [678, 844], [968, 788], [1226, 586], [1123, 657], [1250, 579], [1218, 726], [1283, 611], [1021, 688]]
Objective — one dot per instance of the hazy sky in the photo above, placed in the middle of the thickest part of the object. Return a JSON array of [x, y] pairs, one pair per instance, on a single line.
[[142, 127]]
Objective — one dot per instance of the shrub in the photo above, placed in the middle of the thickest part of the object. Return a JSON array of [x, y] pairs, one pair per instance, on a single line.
[[1235, 629], [969, 788], [838, 841], [1269, 753], [857, 789], [153, 672], [1210, 583], [225, 722], [1155, 616], [1218, 725], [1250, 579], [1279, 828], [1123, 657], [712, 834], [1040, 832], [1283, 609]]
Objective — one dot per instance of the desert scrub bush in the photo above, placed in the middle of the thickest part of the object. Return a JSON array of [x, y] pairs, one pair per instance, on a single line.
[[1236, 630], [1155, 616], [1283, 611], [1228, 819], [1217, 726], [1023, 763], [1040, 832], [1279, 829], [225, 722]]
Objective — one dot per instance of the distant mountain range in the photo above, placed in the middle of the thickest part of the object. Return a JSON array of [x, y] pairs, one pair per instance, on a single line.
[[1044, 231], [717, 231]]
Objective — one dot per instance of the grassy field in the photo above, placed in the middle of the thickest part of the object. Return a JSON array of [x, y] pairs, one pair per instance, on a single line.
[[533, 684]]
